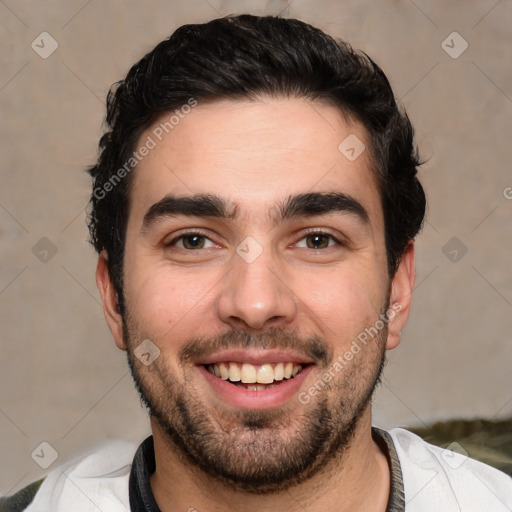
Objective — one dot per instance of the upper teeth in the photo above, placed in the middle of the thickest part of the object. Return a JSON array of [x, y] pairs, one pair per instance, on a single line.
[[248, 373]]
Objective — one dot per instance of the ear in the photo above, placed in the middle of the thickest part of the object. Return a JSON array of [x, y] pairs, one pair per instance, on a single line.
[[402, 285], [109, 299]]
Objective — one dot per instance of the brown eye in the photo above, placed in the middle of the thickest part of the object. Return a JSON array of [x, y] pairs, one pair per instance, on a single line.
[[318, 241], [192, 241]]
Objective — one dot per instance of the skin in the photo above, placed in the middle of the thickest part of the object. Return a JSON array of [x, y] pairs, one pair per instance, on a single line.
[[255, 155]]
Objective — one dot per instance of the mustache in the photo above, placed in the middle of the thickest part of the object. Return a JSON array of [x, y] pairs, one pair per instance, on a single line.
[[314, 347]]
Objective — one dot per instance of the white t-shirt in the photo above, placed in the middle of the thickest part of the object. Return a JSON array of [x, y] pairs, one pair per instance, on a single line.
[[434, 480]]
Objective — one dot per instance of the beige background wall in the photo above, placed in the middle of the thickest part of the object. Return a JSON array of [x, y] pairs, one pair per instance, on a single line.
[[62, 380]]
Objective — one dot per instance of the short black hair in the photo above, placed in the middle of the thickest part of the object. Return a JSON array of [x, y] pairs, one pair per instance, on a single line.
[[245, 56]]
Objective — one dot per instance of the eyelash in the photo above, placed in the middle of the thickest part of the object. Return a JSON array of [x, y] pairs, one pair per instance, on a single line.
[[203, 234]]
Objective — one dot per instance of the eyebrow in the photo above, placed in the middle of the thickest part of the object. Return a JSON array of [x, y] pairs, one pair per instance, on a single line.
[[301, 205]]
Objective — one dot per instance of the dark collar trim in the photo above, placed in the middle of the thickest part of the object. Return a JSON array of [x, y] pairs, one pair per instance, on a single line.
[[144, 465], [396, 502]]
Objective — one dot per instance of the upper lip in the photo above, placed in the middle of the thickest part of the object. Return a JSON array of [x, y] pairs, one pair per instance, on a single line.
[[255, 357]]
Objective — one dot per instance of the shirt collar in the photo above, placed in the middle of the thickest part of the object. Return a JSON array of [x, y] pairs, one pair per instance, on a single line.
[[144, 465]]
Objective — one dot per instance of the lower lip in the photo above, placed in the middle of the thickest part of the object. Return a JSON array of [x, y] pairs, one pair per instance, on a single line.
[[263, 399]]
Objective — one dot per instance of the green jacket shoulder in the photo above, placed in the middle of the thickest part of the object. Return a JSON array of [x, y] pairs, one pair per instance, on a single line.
[[21, 500]]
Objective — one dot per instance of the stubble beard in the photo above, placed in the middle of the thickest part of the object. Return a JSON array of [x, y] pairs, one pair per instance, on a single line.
[[261, 451]]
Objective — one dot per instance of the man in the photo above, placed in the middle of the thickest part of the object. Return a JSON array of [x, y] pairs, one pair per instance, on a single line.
[[254, 208]]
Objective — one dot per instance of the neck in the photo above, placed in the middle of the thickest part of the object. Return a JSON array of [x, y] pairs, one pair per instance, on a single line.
[[358, 480]]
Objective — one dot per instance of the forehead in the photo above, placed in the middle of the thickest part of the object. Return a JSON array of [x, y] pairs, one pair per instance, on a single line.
[[254, 153]]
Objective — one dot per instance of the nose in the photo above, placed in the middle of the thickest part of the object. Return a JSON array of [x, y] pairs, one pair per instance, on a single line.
[[255, 295]]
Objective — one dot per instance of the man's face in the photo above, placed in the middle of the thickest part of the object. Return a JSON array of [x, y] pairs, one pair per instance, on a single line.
[[277, 270]]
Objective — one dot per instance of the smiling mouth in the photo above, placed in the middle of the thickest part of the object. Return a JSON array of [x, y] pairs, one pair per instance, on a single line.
[[255, 377]]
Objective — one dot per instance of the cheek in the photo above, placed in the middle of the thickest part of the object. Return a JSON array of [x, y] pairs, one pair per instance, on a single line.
[[167, 303], [344, 302]]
